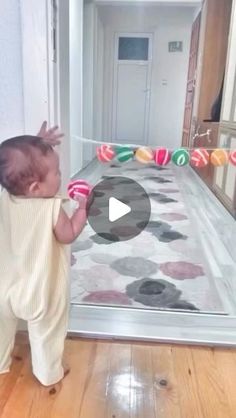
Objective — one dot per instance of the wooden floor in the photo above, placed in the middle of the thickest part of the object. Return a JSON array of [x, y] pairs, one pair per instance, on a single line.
[[120, 380]]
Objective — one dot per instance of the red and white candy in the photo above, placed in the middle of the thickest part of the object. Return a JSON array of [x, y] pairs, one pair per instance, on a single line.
[[78, 188], [199, 158], [232, 157], [105, 153], [162, 156]]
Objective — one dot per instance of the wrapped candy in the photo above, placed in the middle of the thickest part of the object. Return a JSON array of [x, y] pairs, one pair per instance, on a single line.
[[105, 153], [199, 158], [78, 188], [162, 156]]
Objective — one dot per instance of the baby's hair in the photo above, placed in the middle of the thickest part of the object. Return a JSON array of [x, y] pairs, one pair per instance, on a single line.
[[21, 163]]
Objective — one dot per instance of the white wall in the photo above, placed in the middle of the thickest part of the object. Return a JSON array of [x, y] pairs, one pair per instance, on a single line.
[[88, 78], [76, 82], [11, 82], [62, 93], [98, 78], [167, 101]]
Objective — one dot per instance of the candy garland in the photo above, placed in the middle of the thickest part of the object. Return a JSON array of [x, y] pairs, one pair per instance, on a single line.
[[198, 157]]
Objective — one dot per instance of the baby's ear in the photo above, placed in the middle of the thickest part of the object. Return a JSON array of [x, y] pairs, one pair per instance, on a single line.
[[34, 188]]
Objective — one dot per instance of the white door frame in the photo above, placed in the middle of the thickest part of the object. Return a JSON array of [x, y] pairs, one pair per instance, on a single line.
[[128, 62], [45, 61], [43, 95]]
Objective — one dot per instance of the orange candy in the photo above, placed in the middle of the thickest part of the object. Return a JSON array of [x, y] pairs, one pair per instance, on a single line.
[[144, 155], [219, 157]]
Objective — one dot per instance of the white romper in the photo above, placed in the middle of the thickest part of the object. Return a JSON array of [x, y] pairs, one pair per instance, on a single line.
[[33, 283]]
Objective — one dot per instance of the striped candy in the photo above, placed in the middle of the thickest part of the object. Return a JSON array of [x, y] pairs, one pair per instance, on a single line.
[[78, 188], [199, 158], [162, 156], [232, 157], [105, 153], [180, 157], [144, 155], [124, 154], [219, 157]]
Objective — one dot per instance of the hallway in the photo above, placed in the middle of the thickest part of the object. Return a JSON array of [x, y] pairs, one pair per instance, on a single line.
[[171, 264]]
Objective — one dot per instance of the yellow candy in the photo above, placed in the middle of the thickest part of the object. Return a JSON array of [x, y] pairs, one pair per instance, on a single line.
[[144, 155], [219, 157]]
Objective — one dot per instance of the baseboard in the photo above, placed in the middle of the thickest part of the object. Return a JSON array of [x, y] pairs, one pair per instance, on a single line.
[[152, 325]]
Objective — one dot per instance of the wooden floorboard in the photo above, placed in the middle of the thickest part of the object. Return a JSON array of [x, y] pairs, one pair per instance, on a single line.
[[110, 379]]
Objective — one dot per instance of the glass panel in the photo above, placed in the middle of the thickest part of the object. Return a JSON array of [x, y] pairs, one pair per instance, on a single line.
[[221, 170], [178, 261], [133, 49], [230, 76], [235, 107], [231, 175], [219, 176]]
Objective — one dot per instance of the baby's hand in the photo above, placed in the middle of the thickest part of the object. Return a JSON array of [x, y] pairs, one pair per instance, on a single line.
[[85, 202], [51, 136], [82, 200]]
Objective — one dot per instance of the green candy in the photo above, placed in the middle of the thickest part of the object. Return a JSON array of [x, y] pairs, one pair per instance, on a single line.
[[180, 157], [124, 154]]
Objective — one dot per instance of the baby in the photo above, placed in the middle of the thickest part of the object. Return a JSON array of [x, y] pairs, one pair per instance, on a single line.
[[34, 229]]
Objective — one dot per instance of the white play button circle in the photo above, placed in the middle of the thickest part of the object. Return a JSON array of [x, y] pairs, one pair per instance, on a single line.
[[117, 209]]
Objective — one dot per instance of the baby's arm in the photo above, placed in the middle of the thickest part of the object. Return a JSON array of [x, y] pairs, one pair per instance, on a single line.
[[68, 229]]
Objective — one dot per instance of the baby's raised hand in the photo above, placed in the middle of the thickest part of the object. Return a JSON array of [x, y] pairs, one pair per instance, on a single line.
[[51, 136]]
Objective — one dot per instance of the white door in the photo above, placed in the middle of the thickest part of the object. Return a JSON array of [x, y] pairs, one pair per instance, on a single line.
[[131, 87]]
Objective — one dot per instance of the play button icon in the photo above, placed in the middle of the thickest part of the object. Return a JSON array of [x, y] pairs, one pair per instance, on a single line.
[[118, 210]]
